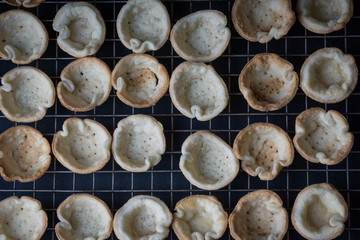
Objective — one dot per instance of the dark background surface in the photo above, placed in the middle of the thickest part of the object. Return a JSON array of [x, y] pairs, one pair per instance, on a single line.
[[115, 185]]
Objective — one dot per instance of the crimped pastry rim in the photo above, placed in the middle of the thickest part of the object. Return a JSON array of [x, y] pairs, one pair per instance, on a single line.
[[42, 171], [254, 195], [251, 100], [163, 75], [239, 139], [316, 110], [66, 164], [83, 61]]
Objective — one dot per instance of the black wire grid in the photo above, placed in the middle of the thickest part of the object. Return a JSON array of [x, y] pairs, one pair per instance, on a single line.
[[115, 185]]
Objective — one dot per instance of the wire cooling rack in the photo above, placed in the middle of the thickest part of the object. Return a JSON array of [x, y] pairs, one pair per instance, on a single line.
[[115, 186]]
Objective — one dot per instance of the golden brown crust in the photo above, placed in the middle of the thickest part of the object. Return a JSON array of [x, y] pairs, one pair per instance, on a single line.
[[188, 203], [72, 198], [147, 75], [31, 136], [265, 195], [32, 4], [59, 156], [268, 152], [67, 71], [44, 219], [276, 89], [300, 126], [329, 187], [336, 27], [192, 58], [36, 56], [264, 30], [334, 100]]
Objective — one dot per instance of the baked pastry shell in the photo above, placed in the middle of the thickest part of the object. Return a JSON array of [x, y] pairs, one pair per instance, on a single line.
[[189, 204], [39, 25], [64, 224], [257, 64], [32, 133], [145, 45], [265, 195], [83, 125], [307, 67], [162, 78], [210, 14], [81, 65], [334, 116], [8, 79], [195, 110], [160, 226], [36, 204], [241, 140], [144, 124], [64, 30], [313, 25], [190, 151], [241, 22], [330, 188]]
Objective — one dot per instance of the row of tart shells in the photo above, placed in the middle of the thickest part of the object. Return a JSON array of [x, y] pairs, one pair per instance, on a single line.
[[267, 82], [208, 162], [319, 212], [144, 25]]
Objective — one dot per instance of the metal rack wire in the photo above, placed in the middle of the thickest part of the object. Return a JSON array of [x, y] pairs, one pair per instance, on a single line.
[[115, 186]]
